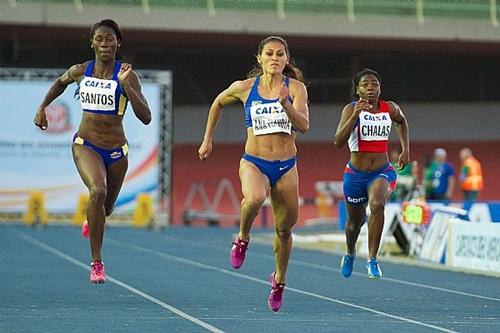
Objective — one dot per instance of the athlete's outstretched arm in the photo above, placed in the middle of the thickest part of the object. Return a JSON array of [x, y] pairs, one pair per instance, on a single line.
[[231, 95], [132, 86], [57, 88]]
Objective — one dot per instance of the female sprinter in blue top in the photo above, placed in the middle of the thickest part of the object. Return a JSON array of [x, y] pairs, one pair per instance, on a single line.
[[275, 102], [100, 147]]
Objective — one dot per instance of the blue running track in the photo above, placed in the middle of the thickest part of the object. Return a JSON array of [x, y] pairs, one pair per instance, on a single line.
[[180, 280]]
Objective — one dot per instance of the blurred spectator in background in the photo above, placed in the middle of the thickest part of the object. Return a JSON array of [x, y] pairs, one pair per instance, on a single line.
[[427, 164], [407, 177], [441, 177], [471, 175]]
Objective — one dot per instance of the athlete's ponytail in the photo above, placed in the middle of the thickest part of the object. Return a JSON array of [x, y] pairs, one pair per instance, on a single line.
[[290, 69]]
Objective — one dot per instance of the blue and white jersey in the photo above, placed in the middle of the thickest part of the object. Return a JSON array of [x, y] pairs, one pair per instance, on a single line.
[[102, 96], [266, 116]]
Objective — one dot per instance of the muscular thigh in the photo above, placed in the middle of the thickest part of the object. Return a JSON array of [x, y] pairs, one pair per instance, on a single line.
[[90, 166], [380, 188], [285, 197], [253, 181], [115, 177]]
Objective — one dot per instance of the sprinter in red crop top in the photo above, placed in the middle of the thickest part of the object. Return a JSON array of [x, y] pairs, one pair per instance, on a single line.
[[100, 147], [369, 177]]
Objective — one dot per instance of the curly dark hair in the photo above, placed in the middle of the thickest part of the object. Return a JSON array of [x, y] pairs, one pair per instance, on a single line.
[[357, 78]]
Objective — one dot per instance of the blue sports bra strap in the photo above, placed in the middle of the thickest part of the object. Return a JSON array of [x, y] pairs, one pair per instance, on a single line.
[[254, 92], [90, 68], [118, 65], [255, 86], [287, 84]]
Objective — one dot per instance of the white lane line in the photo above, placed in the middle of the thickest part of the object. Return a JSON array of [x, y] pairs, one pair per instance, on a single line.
[[299, 291], [332, 269], [414, 284], [150, 298]]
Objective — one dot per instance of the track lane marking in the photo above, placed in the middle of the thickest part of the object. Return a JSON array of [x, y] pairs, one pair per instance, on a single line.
[[136, 291], [332, 269], [299, 291]]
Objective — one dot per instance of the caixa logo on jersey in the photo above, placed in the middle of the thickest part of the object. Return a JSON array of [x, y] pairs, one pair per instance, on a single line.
[[269, 108], [356, 200], [58, 118]]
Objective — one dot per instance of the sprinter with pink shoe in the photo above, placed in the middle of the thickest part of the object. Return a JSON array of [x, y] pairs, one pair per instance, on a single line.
[[275, 103], [100, 147]]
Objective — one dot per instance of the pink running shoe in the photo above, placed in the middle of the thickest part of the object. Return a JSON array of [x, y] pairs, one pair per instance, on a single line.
[[97, 274], [85, 229], [237, 255], [275, 299]]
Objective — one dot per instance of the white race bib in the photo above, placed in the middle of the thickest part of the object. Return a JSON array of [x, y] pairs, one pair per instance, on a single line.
[[374, 126], [97, 94], [270, 118]]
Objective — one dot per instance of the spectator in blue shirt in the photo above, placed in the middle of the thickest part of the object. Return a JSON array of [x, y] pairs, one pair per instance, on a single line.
[[443, 181]]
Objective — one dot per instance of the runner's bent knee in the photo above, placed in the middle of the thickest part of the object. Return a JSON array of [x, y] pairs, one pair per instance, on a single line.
[[97, 194]]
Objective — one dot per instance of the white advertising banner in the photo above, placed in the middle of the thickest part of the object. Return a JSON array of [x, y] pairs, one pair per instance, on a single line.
[[434, 244], [36, 160], [474, 245]]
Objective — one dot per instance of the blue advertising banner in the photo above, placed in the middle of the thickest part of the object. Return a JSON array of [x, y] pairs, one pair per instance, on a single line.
[[36, 160], [481, 212]]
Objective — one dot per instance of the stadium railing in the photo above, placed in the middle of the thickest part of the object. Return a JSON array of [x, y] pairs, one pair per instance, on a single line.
[[420, 9]]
